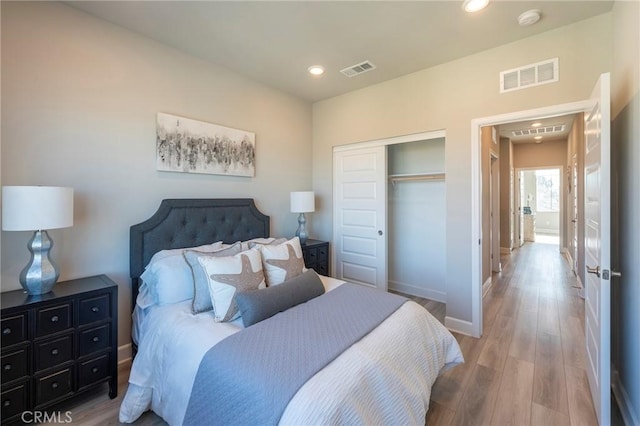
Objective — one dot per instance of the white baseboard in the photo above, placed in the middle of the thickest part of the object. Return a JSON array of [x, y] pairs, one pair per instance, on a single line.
[[546, 231], [124, 353], [622, 399], [505, 250], [459, 326], [486, 286], [427, 293]]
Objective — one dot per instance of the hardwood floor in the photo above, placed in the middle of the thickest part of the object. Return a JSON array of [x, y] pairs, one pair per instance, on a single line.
[[529, 366], [527, 369]]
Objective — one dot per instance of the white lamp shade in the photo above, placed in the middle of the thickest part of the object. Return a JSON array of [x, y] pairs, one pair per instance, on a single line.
[[303, 202], [31, 208]]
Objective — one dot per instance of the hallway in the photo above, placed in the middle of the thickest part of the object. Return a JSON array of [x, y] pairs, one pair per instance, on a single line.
[[529, 366]]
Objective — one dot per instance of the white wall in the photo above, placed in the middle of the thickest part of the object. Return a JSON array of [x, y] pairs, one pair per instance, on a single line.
[[416, 218], [79, 104], [448, 97]]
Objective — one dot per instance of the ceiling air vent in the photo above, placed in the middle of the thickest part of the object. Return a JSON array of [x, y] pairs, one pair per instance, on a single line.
[[358, 69], [532, 131], [529, 75]]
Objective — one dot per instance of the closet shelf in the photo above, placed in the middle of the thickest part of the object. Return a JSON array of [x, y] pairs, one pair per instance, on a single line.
[[415, 177]]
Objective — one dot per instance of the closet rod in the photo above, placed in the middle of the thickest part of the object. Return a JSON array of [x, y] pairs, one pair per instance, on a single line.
[[416, 177]]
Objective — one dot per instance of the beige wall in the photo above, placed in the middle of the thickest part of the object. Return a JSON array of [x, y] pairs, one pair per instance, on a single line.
[[79, 104], [531, 155], [448, 97]]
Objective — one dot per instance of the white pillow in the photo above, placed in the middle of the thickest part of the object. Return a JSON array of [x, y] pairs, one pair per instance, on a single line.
[[228, 275], [283, 261], [168, 276]]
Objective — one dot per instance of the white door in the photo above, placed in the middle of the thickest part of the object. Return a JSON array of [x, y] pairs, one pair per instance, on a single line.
[[597, 248], [360, 215]]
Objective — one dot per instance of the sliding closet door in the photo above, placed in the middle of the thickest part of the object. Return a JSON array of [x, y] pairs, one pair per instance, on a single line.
[[360, 220]]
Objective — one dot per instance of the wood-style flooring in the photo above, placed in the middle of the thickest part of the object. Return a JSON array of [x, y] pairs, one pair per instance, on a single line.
[[527, 369], [529, 366]]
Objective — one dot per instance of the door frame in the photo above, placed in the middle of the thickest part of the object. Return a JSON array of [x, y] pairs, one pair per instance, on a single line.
[[561, 207], [476, 191]]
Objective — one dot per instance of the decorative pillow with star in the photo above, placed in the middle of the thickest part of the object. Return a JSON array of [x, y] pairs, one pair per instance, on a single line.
[[201, 301], [228, 275], [282, 262]]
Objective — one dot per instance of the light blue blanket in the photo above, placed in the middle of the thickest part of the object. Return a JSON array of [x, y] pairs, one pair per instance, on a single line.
[[250, 377]]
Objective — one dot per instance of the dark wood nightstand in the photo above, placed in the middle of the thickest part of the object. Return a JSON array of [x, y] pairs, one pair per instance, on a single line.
[[58, 344], [316, 256]]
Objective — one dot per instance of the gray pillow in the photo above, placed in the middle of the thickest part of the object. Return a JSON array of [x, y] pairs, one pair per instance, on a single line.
[[201, 296], [258, 305]]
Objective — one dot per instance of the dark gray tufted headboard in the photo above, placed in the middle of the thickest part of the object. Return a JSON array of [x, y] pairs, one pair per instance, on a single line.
[[182, 223]]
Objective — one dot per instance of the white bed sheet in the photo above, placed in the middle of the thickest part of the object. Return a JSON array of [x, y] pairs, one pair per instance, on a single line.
[[385, 378]]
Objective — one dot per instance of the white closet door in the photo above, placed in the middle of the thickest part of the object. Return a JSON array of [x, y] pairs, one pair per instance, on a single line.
[[360, 220]]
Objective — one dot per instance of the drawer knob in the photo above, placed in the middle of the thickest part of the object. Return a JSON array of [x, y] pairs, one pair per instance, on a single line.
[[7, 367], [95, 309], [54, 385], [55, 318], [54, 352], [6, 403], [94, 370], [6, 331], [95, 339]]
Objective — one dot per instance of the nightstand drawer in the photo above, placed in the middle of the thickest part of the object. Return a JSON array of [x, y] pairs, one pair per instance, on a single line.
[[14, 364], [54, 352], [94, 309], [94, 339], [15, 401], [54, 319], [14, 329], [54, 386], [310, 256], [323, 253], [93, 371], [321, 268]]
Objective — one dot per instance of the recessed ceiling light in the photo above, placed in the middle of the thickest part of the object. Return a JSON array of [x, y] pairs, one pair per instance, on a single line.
[[474, 5], [529, 17], [536, 124], [316, 70]]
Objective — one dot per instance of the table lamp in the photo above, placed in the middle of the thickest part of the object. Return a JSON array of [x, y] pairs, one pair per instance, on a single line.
[[302, 202], [37, 208]]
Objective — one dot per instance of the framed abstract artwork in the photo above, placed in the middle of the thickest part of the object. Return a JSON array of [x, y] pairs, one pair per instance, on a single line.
[[191, 146]]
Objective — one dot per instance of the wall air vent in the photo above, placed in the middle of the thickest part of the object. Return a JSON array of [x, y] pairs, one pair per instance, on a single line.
[[358, 69], [529, 75], [533, 131]]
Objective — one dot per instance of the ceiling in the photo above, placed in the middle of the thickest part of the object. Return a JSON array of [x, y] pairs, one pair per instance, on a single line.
[[275, 42]]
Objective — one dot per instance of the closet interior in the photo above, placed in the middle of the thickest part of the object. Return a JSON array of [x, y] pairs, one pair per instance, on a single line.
[[416, 218]]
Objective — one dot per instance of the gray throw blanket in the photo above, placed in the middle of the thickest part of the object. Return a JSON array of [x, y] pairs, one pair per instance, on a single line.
[[250, 377]]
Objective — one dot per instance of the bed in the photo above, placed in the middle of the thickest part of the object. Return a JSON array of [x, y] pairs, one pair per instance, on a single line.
[[382, 377]]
